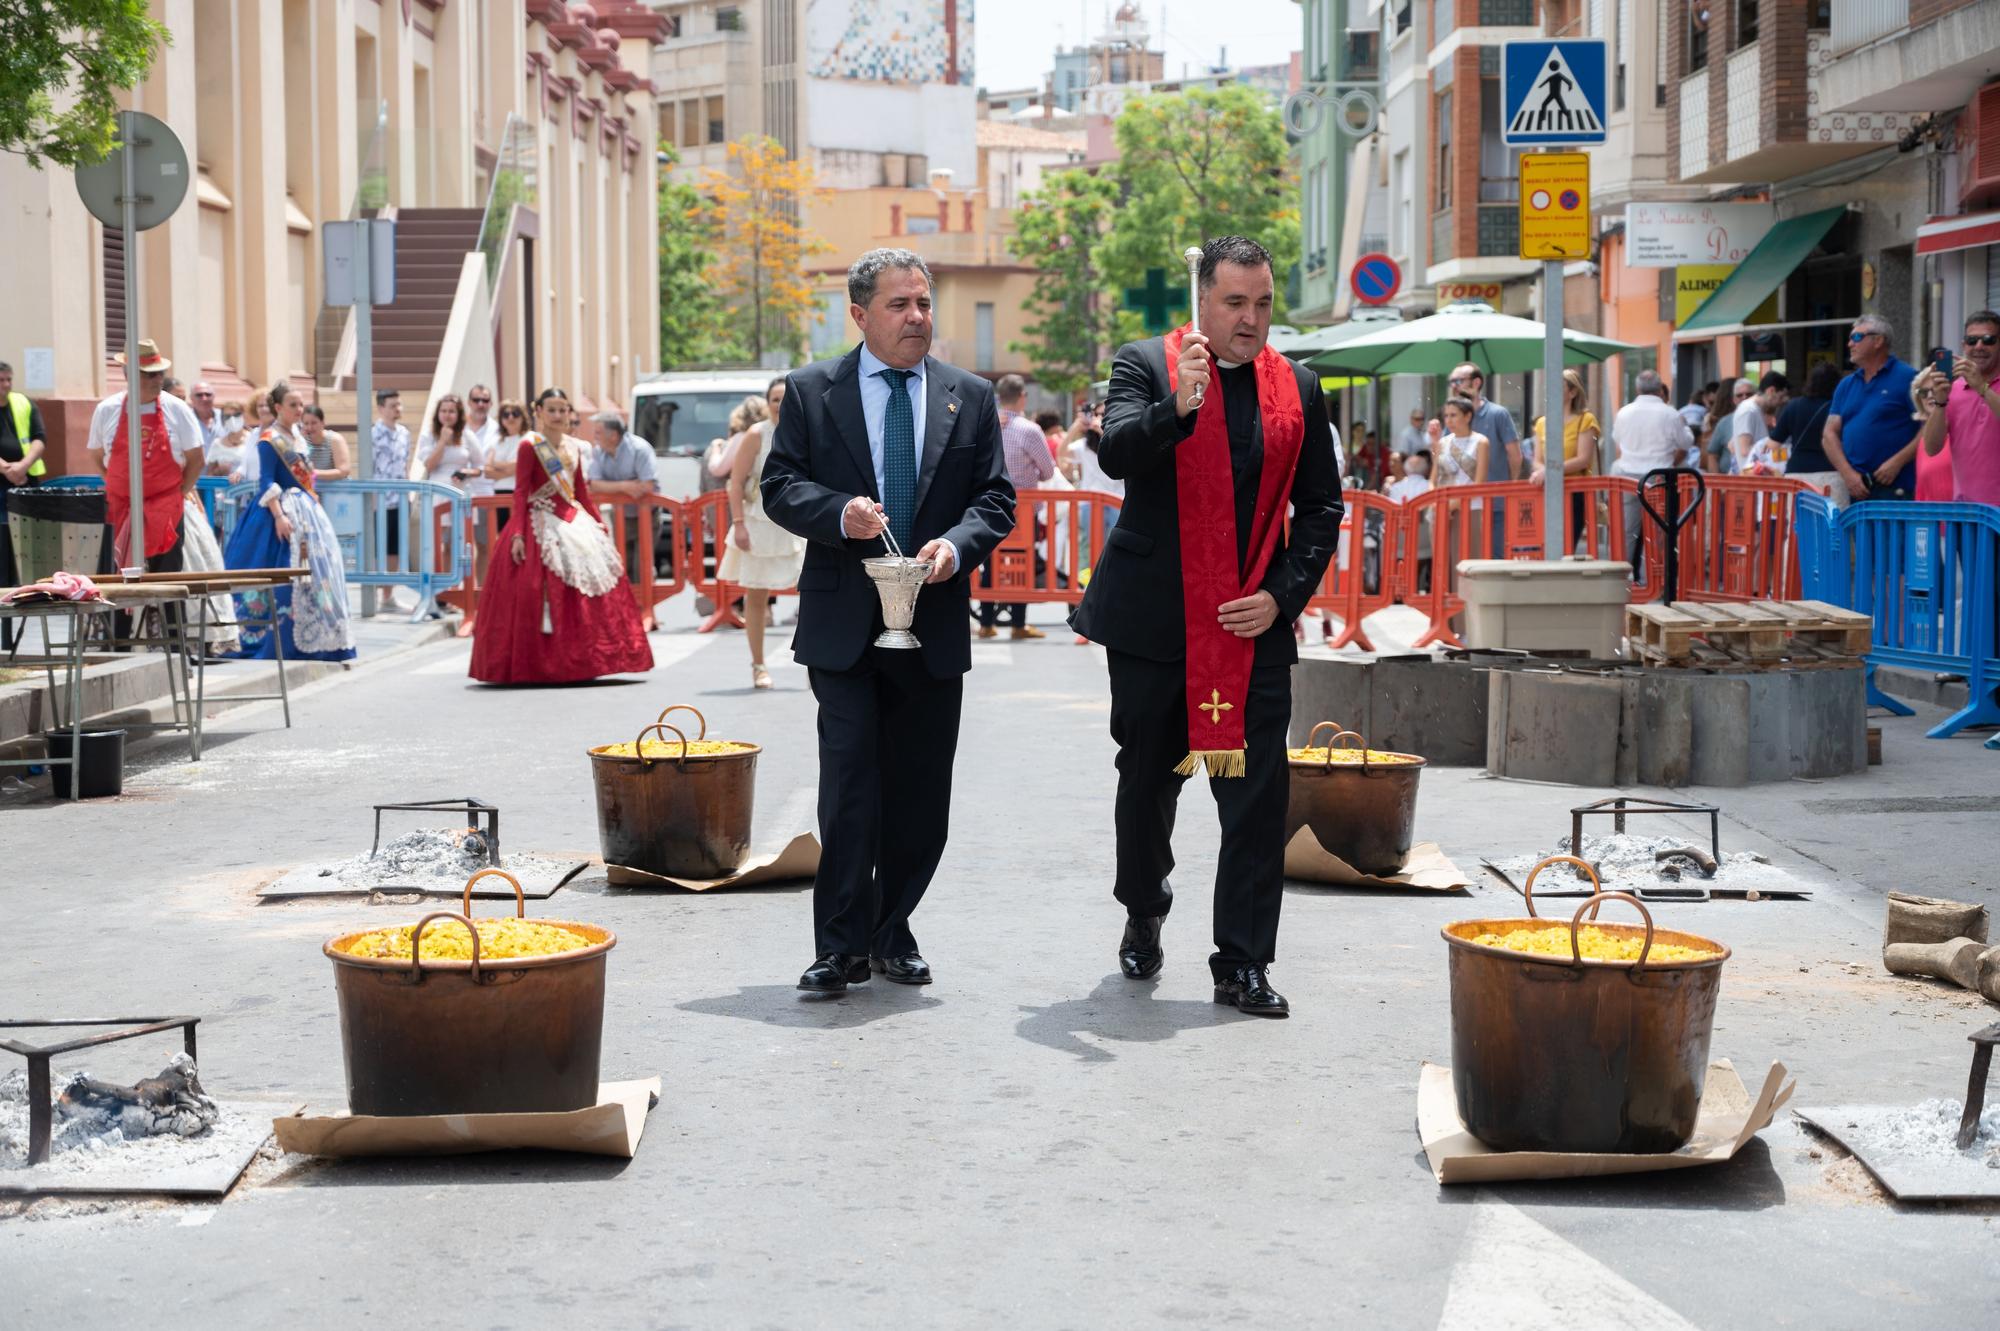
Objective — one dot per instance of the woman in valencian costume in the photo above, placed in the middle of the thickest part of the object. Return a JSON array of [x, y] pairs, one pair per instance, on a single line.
[[556, 608], [287, 528]]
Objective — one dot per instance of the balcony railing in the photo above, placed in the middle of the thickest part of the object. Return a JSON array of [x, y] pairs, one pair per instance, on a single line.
[[1507, 13], [1858, 22], [1500, 233]]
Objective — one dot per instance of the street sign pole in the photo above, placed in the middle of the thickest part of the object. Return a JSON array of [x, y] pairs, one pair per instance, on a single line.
[[1552, 409], [364, 395], [128, 208]]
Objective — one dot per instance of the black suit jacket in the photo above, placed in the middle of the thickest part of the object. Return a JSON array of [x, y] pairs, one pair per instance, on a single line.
[[820, 460], [1134, 600]]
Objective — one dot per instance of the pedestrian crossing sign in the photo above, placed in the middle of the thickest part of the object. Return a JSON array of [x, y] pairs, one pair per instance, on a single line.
[[1553, 93]]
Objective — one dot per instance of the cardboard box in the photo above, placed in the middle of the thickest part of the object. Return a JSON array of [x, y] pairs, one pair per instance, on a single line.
[[612, 1126], [1425, 869], [1725, 1121]]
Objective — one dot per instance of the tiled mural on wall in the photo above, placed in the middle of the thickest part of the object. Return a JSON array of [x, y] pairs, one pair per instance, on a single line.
[[886, 41]]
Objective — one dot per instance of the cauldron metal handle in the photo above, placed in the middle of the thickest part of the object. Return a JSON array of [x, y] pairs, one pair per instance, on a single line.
[[1528, 888], [683, 707], [520, 897], [639, 744], [416, 937], [1334, 726], [1576, 949]]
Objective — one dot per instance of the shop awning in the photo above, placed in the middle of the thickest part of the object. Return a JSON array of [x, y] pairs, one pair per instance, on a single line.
[[1781, 250], [1942, 235]]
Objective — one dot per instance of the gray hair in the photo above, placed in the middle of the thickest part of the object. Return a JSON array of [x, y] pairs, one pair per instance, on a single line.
[[1010, 388], [1649, 381], [1742, 384], [1875, 323], [868, 270], [609, 420]]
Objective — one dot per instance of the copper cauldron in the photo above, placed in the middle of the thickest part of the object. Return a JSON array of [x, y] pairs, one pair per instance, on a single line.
[[519, 1034], [1366, 813], [1553, 1053], [681, 817]]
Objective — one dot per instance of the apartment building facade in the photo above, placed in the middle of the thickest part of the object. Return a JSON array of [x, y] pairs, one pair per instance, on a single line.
[[300, 112]]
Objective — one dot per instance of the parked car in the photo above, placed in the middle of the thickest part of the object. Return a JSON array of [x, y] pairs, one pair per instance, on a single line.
[[679, 413]]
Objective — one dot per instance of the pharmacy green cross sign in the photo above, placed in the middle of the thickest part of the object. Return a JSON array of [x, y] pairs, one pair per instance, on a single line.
[[1155, 300]]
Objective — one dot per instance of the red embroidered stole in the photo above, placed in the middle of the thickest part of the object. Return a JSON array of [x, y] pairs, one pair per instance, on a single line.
[[1218, 662]]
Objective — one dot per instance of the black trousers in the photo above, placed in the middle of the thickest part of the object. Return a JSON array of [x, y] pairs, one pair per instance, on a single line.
[[888, 733], [1149, 723], [171, 560]]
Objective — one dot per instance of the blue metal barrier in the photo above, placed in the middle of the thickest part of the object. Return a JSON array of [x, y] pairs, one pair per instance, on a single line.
[[1816, 535], [1926, 575]]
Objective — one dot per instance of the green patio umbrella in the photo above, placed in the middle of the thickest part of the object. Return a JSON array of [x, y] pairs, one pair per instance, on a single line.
[[1497, 343], [1303, 346]]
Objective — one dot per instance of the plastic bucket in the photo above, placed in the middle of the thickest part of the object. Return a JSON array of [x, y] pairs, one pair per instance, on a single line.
[[100, 772], [55, 529]]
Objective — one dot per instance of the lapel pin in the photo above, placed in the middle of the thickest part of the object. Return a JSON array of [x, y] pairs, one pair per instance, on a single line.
[[951, 407]]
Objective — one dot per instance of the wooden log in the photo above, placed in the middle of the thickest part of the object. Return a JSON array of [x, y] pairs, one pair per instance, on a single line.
[[1957, 960], [1987, 975], [1915, 919]]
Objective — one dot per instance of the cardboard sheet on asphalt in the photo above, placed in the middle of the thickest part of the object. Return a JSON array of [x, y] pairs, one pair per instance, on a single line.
[[1426, 869], [540, 875], [799, 859], [1725, 1121], [1913, 1176], [154, 1166], [612, 1127]]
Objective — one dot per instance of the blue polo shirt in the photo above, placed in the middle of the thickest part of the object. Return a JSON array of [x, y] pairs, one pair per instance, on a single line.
[[1875, 414]]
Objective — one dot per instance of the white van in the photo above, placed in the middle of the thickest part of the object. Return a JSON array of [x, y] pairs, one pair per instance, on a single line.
[[679, 412]]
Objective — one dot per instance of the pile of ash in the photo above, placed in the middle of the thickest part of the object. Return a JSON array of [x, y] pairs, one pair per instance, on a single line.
[[94, 1116], [1929, 1132], [433, 858], [1626, 862]]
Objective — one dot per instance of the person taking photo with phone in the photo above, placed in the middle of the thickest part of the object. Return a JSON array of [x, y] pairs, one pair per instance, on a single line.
[[1963, 412]]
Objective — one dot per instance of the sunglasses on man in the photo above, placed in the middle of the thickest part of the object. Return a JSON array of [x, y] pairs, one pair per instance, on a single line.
[[1858, 336], [481, 401], [1981, 339]]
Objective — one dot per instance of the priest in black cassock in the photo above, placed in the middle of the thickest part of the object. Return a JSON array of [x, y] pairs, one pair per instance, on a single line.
[[1216, 437]]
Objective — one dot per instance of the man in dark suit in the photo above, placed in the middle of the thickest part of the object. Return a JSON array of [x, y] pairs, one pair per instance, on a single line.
[[885, 437], [1194, 599]]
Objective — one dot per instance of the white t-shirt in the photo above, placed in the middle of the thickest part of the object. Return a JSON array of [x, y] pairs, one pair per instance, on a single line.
[[1748, 419], [1090, 474], [507, 450], [480, 441], [183, 426], [1405, 488], [455, 458]]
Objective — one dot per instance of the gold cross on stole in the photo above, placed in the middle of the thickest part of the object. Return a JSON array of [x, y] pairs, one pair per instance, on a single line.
[[1215, 707]]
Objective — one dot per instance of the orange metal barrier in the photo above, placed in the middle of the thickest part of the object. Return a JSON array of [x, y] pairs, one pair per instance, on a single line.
[[1462, 527], [1057, 536], [1343, 590]]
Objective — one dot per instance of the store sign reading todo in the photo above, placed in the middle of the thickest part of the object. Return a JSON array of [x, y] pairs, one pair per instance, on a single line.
[[1666, 235]]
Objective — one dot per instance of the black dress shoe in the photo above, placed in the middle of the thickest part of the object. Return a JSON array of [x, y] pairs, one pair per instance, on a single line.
[[1248, 989], [833, 972], [1140, 955], [906, 969]]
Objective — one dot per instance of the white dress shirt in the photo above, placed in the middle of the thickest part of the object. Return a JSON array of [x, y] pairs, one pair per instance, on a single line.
[[875, 409], [1649, 434]]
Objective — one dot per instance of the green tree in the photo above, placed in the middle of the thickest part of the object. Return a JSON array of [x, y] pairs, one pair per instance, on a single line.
[[694, 327], [1193, 166], [63, 63], [1058, 231]]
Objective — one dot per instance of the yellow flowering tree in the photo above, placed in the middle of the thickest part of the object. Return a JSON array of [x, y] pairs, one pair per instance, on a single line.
[[756, 213]]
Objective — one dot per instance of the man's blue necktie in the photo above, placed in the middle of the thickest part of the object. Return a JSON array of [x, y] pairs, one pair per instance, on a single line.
[[899, 460]]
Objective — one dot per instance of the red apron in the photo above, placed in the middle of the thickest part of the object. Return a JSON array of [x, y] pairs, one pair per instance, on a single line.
[[160, 474]]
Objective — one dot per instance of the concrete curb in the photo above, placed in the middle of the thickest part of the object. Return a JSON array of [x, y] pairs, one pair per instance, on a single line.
[[135, 688], [1912, 686]]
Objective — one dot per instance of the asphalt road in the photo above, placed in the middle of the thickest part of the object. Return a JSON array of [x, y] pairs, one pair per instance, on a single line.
[[1032, 1141]]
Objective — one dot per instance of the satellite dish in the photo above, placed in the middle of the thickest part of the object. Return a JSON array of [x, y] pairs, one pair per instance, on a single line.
[[159, 174]]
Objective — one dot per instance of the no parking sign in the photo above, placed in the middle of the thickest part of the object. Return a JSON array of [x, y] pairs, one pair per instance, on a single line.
[[1375, 279]]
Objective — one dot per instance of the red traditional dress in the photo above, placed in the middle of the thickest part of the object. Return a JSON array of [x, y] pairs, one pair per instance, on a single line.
[[565, 613]]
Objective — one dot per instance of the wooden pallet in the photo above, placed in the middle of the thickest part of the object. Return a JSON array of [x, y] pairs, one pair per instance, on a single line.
[[1754, 632]]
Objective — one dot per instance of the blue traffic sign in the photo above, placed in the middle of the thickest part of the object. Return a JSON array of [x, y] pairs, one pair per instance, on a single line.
[[1553, 93], [1375, 279]]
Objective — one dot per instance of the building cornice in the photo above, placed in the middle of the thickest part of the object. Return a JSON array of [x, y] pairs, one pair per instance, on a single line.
[[631, 19]]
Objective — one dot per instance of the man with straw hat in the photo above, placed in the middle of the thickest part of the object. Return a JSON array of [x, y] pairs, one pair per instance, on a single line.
[[1215, 436], [170, 458]]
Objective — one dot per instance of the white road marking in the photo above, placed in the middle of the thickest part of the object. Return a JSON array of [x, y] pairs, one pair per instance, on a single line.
[[1515, 1274]]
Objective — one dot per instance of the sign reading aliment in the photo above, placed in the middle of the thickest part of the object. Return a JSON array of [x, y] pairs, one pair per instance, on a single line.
[[1667, 235], [1696, 282]]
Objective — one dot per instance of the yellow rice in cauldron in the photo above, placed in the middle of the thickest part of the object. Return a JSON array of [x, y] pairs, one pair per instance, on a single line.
[[654, 748], [446, 940], [1351, 757], [1596, 944]]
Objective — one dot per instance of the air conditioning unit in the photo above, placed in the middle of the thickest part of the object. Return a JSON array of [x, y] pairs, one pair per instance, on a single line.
[[1979, 148]]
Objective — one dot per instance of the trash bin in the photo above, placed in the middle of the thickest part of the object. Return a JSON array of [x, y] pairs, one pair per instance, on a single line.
[[55, 528], [1538, 605], [100, 774]]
